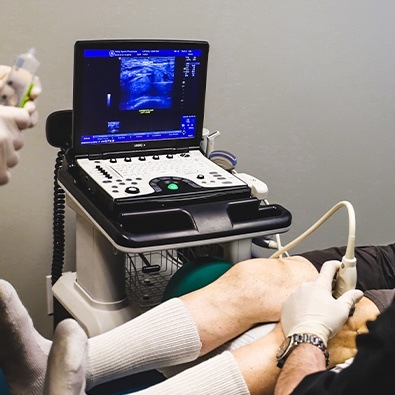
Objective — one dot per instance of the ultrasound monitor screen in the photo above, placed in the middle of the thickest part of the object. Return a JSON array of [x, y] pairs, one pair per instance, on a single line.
[[138, 94]]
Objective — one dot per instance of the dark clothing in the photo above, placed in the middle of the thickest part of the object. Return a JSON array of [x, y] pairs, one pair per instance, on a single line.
[[372, 371], [375, 264], [382, 298]]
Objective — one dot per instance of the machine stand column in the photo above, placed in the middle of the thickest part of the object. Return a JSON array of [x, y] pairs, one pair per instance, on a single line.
[[100, 267]]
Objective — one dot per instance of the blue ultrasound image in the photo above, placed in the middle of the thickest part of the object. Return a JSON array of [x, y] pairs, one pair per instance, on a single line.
[[146, 83]]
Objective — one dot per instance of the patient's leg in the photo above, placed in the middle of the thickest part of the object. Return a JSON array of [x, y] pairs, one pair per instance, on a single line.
[[251, 292], [165, 335], [174, 332]]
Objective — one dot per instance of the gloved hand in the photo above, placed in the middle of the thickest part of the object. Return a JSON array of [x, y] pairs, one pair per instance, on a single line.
[[312, 308], [12, 121]]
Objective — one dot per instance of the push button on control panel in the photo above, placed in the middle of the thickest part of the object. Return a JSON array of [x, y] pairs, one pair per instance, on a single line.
[[172, 186], [132, 190]]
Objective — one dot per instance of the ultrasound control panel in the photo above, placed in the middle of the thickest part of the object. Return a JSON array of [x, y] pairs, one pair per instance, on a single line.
[[165, 174]]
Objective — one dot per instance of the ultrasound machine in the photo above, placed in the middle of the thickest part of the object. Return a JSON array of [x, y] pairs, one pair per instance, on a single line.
[[135, 168]]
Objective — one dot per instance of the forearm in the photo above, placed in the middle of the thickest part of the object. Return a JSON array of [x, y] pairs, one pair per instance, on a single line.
[[304, 360]]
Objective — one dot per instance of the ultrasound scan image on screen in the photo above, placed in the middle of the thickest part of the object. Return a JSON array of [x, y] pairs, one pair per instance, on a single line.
[[147, 83]]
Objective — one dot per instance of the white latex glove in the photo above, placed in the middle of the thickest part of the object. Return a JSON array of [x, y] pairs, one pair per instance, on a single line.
[[312, 308], [12, 121]]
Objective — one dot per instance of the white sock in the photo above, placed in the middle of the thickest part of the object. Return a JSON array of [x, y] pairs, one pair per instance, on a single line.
[[244, 339], [23, 351], [67, 360], [165, 335], [219, 375]]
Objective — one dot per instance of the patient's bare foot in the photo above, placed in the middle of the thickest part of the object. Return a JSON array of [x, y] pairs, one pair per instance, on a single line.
[[343, 346], [251, 292], [23, 351], [67, 360]]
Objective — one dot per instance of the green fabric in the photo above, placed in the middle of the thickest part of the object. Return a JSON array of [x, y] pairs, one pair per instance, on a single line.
[[194, 275]]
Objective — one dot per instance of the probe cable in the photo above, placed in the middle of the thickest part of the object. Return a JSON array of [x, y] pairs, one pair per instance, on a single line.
[[351, 231]]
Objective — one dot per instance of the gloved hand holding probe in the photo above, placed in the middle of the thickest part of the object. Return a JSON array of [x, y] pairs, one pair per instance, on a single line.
[[312, 308], [310, 317], [12, 121]]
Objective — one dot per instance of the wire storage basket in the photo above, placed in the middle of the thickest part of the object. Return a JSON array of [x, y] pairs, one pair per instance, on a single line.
[[147, 274]]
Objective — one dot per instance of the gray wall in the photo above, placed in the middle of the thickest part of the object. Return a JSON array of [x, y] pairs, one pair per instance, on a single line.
[[302, 91]]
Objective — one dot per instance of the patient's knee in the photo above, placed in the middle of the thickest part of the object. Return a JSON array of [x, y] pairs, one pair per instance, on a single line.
[[289, 270]]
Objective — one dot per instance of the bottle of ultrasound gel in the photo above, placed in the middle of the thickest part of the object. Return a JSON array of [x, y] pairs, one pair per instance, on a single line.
[[21, 76]]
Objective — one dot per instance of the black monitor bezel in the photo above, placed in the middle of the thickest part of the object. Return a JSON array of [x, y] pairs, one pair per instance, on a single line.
[[82, 45]]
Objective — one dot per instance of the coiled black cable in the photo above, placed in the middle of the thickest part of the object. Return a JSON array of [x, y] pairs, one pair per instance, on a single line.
[[59, 204]]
